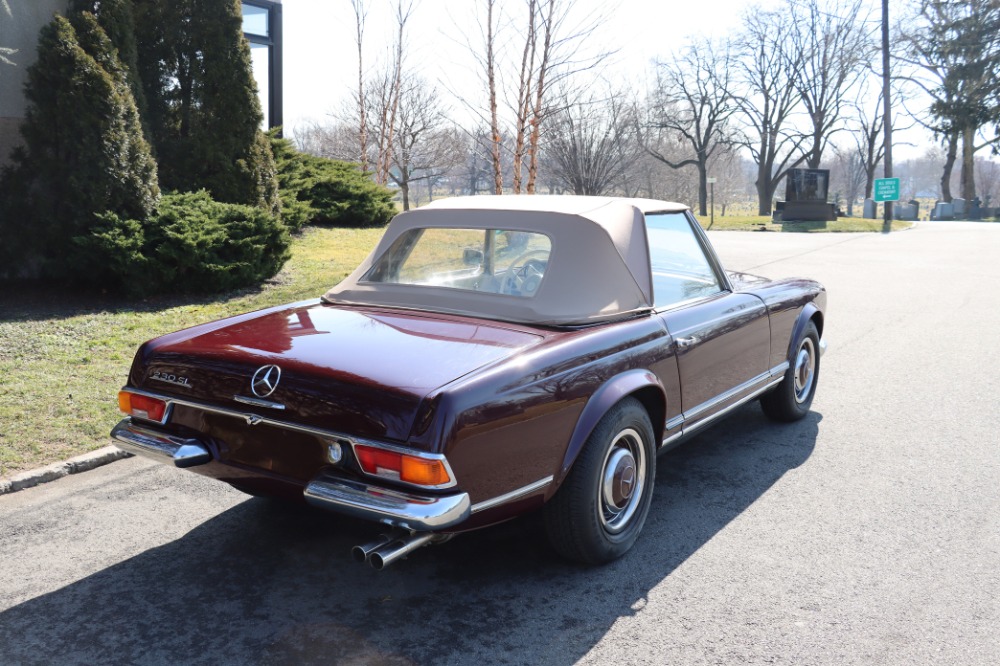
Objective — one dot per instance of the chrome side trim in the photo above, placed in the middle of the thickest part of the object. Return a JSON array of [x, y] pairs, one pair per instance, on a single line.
[[773, 377], [257, 402], [779, 369], [738, 403], [667, 441], [512, 495], [709, 405], [161, 447], [256, 419], [392, 507], [675, 422]]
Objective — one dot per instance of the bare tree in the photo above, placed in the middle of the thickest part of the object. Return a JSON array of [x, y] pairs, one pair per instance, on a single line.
[[729, 168], [693, 101], [848, 174], [591, 143], [835, 47], [388, 96], [988, 180], [425, 147], [525, 83], [867, 138], [492, 90], [360, 14], [768, 68], [336, 141]]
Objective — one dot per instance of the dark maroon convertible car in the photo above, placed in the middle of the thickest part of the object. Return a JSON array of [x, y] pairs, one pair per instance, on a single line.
[[493, 356]]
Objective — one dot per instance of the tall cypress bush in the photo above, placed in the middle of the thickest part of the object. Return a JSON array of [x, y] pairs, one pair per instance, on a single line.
[[204, 113], [117, 20], [84, 152]]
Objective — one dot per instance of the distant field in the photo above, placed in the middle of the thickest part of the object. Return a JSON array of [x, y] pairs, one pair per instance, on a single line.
[[763, 223]]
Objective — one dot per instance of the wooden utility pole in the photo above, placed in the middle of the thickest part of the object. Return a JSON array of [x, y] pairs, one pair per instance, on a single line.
[[887, 111]]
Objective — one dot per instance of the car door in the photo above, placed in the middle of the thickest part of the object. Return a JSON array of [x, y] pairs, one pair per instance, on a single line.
[[721, 338]]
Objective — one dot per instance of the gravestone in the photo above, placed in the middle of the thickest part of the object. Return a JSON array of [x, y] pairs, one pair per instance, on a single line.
[[958, 208], [805, 196], [943, 211], [869, 210], [907, 211]]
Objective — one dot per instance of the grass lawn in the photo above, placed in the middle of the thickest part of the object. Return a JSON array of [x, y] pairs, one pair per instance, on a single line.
[[63, 357]]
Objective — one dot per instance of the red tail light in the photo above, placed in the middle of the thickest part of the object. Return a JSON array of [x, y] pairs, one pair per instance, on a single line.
[[402, 467], [142, 406]]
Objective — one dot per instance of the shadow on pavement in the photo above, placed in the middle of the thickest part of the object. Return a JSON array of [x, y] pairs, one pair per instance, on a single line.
[[270, 584]]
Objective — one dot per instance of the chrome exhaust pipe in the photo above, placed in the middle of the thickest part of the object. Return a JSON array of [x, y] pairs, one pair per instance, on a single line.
[[363, 552], [397, 549]]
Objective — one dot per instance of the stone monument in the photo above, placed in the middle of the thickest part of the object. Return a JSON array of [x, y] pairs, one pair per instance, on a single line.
[[805, 196]]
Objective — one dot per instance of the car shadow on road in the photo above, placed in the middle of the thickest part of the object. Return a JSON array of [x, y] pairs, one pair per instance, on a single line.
[[270, 584]]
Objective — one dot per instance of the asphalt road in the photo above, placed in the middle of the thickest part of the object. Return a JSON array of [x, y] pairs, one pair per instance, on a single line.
[[868, 533]]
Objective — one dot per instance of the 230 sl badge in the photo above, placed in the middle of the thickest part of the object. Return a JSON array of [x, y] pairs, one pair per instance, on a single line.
[[170, 379]]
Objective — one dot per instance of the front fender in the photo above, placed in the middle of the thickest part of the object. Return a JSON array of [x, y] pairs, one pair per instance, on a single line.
[[604, 398], [798, 330]]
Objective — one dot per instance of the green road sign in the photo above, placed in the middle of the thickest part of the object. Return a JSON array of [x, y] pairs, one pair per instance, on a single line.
[[887, 189]]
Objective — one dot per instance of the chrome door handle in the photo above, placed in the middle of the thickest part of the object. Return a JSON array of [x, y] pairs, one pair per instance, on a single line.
[[684, 343]]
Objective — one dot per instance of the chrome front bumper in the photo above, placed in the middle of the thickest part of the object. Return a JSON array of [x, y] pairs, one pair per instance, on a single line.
[[354, 498]]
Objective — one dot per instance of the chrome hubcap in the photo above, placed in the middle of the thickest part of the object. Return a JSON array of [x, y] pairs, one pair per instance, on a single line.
[[622, 480], [805, 370]]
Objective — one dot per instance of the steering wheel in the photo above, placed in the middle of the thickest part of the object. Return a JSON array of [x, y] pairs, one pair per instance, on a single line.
[[524, 275]]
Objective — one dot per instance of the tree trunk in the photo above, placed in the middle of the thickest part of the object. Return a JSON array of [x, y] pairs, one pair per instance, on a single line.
[[494, 123], [949, 163], [536, 119], [404, 189], [815, 153], [763, 195], [968, 164], [702, 188]]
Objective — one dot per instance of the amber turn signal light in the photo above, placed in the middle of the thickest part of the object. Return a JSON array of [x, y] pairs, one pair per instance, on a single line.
[[402, 467], [141, 406]]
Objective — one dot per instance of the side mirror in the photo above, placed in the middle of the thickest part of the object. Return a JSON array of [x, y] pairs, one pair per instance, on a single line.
[[472, 257]]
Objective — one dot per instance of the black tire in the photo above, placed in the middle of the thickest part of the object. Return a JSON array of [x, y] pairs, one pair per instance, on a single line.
[[790, 400], [597, 513]]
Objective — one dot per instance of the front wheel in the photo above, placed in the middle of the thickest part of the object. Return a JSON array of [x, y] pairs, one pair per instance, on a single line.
[[597, 514], [791, 399]]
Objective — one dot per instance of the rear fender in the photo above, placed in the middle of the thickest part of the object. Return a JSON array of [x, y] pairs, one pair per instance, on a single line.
[[606, 397]]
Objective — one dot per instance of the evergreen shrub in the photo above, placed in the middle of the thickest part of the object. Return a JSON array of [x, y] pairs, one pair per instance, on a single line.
[[191, 244], [84, 153], [320, 191]]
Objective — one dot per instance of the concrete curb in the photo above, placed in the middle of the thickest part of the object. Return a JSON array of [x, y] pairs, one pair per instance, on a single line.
[[58, 470]]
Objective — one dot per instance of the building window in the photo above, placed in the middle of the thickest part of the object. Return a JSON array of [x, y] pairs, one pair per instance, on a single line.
[[262, 28]]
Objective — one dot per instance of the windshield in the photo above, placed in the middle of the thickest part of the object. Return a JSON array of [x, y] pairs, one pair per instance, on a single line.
[[495, 261]]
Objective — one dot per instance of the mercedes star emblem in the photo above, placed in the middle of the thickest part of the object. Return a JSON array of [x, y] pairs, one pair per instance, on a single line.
[[265, 380]]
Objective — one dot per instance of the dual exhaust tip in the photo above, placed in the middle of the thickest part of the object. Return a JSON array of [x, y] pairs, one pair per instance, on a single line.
[[388, 548]]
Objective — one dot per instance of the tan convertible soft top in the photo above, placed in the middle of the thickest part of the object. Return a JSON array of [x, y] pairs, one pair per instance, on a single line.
[[598, 269]]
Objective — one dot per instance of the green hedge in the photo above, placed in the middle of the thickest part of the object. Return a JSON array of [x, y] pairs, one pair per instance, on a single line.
[[191, 244], [316, 190]]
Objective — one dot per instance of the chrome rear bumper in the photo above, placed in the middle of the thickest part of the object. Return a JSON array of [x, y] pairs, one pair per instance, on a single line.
[[392, 507], [339, 495], [159, 446]]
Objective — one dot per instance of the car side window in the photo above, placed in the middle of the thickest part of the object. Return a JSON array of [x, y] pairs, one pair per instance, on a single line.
[[681, 269]]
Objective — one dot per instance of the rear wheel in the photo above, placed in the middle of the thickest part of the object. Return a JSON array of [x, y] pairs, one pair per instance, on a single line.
[[597, 514], [791, 399]]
